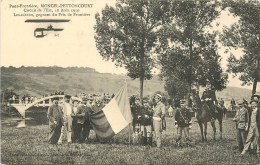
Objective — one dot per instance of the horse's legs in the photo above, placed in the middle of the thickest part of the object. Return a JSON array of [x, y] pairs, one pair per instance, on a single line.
[[220, 127], [205, 130], [201, 131], [214, 129]]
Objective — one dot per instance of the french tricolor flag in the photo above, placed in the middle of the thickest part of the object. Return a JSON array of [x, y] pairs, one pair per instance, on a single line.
[[114, 117]]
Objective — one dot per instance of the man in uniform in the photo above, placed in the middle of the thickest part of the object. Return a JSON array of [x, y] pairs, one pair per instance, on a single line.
[[55, 116], [182, 119], [158, 114], [209, 97], [146, 123], [136, 113]]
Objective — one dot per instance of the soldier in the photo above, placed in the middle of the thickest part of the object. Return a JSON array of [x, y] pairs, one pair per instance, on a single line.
[[182, 119], [55, 116], [146, 123], [136, 112], [241, 119], [158, 114], [209, 97]]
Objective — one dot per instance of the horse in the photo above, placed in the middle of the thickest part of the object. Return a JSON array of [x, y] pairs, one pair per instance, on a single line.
[[202, 110]]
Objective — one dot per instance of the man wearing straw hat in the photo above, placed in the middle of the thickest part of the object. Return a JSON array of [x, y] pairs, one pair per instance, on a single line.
[[67, 112], [254, 128], [159, 113]]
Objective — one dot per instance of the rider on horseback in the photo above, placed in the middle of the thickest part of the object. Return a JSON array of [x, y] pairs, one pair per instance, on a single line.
[[209, 97]]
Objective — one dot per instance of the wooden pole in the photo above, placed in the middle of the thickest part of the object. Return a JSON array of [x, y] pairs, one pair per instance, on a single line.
[[129, 134]]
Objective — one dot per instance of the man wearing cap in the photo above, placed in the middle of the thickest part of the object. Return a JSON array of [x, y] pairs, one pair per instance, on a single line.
[[256, 97], [136, 112], [55, 116], [67, 111], [146, 123], [83, 123], [158, 114], [254, 129], [182, 119], [209, 97], [241, 118]]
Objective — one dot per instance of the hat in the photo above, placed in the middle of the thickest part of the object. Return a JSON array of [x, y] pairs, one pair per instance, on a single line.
[[158, 95], [256, 95], [182, 101], [67, 96], [75, 100], [240, 102], [252, 101], [145, 100]]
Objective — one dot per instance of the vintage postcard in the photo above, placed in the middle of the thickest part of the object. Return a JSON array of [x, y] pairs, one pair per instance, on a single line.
[[78, 88]]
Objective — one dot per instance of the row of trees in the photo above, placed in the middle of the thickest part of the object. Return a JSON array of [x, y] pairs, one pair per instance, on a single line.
[[44, 70], [176, 37]]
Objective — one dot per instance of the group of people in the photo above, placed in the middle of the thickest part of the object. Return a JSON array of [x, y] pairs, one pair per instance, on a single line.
[[70, 120], [149, 120], [247, 120]]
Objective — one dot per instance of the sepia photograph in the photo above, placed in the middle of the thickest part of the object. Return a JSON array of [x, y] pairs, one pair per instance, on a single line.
[[130, 82]]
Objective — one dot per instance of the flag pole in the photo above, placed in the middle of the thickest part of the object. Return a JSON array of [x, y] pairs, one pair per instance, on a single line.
[[129, 134], [129, 125]]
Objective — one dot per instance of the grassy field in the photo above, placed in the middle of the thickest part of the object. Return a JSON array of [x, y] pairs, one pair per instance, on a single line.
[[29, 146]]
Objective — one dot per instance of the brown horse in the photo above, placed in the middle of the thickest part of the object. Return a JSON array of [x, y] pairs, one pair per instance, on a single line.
[[202, 110]]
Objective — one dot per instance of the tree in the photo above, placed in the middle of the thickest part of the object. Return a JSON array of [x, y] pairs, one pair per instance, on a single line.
[[175, 87], [127, 34], [244, 34], [188, 48]]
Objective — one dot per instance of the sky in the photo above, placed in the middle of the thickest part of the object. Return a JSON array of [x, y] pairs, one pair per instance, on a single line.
[[75, 45]]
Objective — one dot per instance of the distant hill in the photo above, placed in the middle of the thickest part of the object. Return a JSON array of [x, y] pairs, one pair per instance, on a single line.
[[38, 81], [46, 80]]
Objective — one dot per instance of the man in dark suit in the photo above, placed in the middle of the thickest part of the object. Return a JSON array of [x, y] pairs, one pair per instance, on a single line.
[[55, 116], [83, 123], [209, 97]]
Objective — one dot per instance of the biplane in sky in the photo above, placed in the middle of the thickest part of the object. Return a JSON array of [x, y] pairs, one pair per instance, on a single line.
[[42, 32]]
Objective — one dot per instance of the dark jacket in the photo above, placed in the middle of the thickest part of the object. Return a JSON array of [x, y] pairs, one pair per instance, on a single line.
[[82, 114], [146, 116], [55, 113], [182, 117], [136, 113], [209, 96]]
